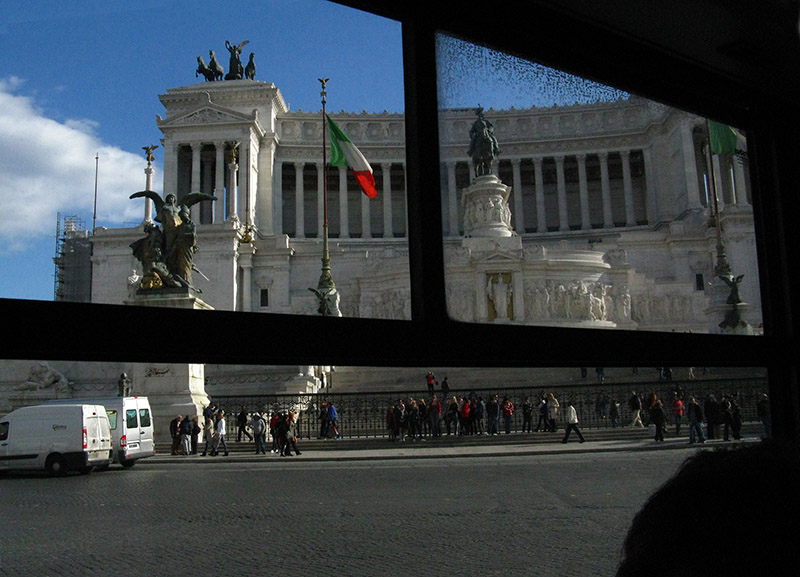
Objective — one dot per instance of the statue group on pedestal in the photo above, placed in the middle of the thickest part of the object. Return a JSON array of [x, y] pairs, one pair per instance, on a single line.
[[236, 71], [167, 251]]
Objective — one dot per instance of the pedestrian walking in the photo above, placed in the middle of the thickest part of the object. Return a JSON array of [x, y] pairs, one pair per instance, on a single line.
[[186, 436], [658, 420], [552, 412], [763, 411], [507, 409], [695, 415], [241, 423], [219, 435], [259, 428], [208, 435], [635, 405], [175, 433], [572, 423], [527, 415], [333, 420], [541, 424], [677, 412]]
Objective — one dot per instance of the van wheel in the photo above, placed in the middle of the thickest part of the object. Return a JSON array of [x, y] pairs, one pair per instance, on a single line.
[[128, 463], [56, 465]]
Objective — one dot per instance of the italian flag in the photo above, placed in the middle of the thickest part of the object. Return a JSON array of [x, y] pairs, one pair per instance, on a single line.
[[345, 153]]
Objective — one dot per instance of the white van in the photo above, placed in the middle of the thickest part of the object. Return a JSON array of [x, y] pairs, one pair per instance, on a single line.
[[57, 438], [131, 422]]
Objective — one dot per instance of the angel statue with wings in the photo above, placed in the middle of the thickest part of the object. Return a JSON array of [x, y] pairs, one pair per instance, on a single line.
[[167, 251], [235, 69]]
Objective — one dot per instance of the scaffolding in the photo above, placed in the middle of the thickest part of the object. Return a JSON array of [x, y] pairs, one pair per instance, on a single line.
[[73, 266]]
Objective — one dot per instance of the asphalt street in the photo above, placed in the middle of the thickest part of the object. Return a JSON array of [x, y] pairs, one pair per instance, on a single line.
[[544, 514]]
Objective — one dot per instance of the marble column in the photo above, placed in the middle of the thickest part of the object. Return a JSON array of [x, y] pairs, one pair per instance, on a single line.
[[630, 215], [519, 217], [197, 148], [583, 184], [690, 166], [651, 209], [344, 205], [320, 199], [739, 181], [452, 200], [366, 220], [246, 252], [563, 215], [605, 188], [233, 196], [277, 187], [541, 216], [299, 201], [148, 204], [219, 183], [388, 227]]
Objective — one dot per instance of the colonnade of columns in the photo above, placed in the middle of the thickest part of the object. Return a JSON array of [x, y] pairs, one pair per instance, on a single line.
[[540, 220], [384, 204], [212, 169]]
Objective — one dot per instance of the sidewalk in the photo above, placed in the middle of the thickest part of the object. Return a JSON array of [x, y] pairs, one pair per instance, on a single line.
[[383, 449]]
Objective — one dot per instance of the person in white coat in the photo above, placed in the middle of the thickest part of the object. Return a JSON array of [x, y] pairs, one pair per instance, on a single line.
[[219, 435], [572, 423]]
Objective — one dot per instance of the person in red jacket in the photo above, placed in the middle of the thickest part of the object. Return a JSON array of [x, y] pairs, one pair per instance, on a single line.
[[677, 412], [507, 409]]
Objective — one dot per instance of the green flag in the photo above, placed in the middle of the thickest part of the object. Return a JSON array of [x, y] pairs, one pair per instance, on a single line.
[[723, 138]]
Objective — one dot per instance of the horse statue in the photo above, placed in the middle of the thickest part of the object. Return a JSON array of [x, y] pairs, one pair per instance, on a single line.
[[483, 147], [250, 69], [203, 70], [215, 66]]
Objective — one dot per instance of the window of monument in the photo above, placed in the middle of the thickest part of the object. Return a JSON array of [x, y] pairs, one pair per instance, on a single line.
[[270, 128], [570, 203]]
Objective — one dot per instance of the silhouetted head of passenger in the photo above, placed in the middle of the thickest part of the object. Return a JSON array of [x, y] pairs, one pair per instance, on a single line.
[[730, 512]]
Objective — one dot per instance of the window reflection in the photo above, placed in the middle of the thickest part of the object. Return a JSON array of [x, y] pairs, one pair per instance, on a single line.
[[601, 209]]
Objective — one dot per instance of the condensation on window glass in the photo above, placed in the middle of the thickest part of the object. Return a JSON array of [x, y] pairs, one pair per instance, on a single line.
[[232, 126], [569, 203]]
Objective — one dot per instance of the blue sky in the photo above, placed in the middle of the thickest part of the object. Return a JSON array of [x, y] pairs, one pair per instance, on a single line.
[[82, 79]]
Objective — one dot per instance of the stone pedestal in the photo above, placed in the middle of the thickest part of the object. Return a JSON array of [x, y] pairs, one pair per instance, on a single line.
[[721, 316], [486, 210], [172, 388]]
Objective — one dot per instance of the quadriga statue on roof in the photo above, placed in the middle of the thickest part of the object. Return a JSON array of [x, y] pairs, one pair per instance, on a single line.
[[167, 251]]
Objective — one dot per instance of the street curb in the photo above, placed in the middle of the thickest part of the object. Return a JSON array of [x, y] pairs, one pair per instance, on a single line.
[[393, 454]]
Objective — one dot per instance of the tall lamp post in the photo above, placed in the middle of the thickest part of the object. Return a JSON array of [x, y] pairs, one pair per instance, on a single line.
[[326, 289]]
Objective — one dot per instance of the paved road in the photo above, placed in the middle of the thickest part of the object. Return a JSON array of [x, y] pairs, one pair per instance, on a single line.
[[546, 514]]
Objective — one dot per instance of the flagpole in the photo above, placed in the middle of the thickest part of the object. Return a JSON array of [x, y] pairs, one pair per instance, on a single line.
[[326, 284], [722, 268]]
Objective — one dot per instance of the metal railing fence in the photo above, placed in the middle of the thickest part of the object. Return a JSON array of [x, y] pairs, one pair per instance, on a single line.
[[364, 414]]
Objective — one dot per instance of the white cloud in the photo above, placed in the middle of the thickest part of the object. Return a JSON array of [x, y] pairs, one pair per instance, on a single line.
[[48, 167]]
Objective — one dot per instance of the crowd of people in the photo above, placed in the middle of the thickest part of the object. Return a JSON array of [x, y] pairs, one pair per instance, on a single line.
[[255, 427], [704, 419], [417, 419], [442, 414]]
